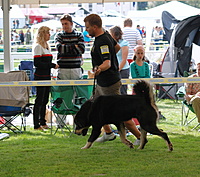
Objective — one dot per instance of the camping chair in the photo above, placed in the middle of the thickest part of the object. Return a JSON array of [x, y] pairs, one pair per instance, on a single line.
[[163, 89], [27, 66], [186, 109], [67, 100], [14, 101], [9, 114]]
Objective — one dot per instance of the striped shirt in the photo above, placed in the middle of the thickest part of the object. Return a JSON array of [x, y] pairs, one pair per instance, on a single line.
[[70, 48], [132, 36], [43, 63], [192, 88]]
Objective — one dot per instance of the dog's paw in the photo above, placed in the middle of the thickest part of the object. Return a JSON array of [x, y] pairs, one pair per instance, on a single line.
[[170, 147], [140, 147], [87, 146]]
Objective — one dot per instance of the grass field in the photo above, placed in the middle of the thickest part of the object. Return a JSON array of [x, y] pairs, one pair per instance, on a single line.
[[34, 153]]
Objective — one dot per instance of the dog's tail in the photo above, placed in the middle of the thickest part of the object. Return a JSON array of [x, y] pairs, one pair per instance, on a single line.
[[145, 89]]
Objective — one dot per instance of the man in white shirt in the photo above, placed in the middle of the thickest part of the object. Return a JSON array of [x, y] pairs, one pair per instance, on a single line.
[[132, 36]]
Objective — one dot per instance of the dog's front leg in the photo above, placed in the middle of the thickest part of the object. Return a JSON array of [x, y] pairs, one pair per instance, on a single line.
[[87, 146], [94, 135], [122, 133]]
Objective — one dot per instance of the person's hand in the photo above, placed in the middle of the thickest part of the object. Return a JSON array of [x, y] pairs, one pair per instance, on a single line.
[[56, 67], [97, 70], [187, 98]]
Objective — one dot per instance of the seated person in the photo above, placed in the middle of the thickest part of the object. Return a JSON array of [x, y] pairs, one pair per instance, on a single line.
[[193, 93], [139, 68]]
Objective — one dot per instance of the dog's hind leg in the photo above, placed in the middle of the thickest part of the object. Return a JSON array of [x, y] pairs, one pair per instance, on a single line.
[[153, 129], [122, 133], [143, 139]]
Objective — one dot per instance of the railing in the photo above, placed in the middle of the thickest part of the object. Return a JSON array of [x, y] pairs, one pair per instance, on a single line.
[[24, 52]]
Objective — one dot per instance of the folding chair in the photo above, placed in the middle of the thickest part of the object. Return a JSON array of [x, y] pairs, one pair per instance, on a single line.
[[27, 66], [186, 109], [8, 114], [67, 100], [164, 91], [13, 101]]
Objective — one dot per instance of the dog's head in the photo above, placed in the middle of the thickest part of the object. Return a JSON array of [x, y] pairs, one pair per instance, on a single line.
[[81, 119]]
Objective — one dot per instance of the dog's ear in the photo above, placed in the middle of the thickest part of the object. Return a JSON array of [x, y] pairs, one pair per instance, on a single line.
[[142, 87], [84, 132]]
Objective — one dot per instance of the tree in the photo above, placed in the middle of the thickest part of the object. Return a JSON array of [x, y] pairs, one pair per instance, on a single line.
[[194, 3], [142, 5]]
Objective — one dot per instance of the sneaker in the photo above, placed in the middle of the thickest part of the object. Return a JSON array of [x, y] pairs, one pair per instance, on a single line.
[[137, 142], [105, 138], [129, 134], [4, 135]]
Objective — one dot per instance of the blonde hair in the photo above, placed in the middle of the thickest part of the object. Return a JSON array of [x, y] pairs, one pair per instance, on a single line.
[[139, 47], [40, 37], [136, 48]]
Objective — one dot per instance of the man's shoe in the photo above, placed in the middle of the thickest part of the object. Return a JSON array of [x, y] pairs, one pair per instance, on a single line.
[[106, 137], [137, 142], [45, 127], [39, 128]]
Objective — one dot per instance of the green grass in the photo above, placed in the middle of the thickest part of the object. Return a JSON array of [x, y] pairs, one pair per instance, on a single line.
[[42, 154]]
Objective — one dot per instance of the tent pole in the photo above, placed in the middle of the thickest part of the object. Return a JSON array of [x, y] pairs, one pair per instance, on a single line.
[[6, 36]]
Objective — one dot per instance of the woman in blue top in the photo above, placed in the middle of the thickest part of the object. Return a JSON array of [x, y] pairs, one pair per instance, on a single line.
[[122, 54], [139, 68]]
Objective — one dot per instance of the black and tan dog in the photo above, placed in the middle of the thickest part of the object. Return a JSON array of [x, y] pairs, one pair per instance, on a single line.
[[119, 108]]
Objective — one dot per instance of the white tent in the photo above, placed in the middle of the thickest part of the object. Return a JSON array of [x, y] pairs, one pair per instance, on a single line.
[[177, 9], [53, 24], [72, 1], [15, 13]]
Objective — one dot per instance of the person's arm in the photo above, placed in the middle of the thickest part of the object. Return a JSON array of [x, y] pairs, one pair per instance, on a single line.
[[147, 74], [188, 92], [58, 41], [80, 45], [124, 57], [139, 42], [78, 48], [103, 67], [132, 70], [138, 38], [117, 48]]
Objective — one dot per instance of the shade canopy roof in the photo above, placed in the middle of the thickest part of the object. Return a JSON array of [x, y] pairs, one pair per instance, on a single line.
[[19, 2]]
